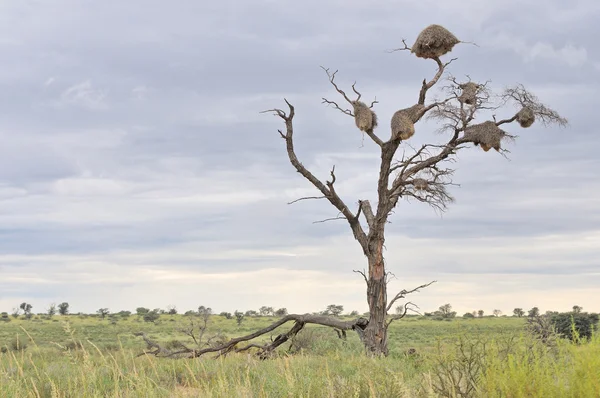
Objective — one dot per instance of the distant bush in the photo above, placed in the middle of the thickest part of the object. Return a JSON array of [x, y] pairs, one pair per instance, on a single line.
[[151, 316], [227, 315], [281, 312], [468, 315], [142, 311], [239, 317], [572, 324]]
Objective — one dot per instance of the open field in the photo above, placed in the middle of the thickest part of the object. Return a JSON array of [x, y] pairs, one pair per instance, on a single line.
[[492, 355]]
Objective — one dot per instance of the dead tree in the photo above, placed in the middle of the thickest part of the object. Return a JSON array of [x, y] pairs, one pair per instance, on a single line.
[[467, 116]]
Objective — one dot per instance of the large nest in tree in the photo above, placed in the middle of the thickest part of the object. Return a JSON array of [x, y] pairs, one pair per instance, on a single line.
[[364, 117], [434, 41], [486, 134], [403, 121], [525, 117], [469, 93], [420, 184]]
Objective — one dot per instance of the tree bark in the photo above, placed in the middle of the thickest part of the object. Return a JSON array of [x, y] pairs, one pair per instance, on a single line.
[[375, 336]]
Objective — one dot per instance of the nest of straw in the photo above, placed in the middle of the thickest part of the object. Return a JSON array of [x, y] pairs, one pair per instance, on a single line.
[[525, 117], [434, 41], [402, 125], [420, 184], [403, 121], [485, 134], [469, 93], [364, 117]]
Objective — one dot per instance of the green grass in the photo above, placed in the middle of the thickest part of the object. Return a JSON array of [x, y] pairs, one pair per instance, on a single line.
[[492, 356]]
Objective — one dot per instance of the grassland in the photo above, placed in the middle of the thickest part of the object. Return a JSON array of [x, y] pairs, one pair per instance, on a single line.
[[491, 356]]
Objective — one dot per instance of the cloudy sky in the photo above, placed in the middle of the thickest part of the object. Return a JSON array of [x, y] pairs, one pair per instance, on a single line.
[[136, 169]]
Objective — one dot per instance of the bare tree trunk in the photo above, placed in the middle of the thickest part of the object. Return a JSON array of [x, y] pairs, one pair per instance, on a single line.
[[375, 335]]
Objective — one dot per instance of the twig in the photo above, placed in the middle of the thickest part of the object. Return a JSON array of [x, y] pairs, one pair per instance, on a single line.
[[306, 198]]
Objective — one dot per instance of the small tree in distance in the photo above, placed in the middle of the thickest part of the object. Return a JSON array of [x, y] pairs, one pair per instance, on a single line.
[[333, 309], [63, 308], [103, 312], [518, 312], [51, 311], [239, 317], [577, 309], [446, 311], [534, 312], [480, 313], [266, 311], [172, 310], [497, 313], [281, 312], [26, 310]]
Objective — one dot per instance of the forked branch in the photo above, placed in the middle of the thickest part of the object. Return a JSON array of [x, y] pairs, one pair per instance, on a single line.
[[403, 293], [331, 77], [327, 189]]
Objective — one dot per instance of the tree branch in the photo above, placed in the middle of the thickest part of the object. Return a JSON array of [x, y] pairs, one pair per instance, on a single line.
[[364, 275], [326, 189], [403, 293], [329, 219], [306, 198], [427, 85], [405, 48], [365, 205], [407, 307], [357, 325], [348, 112]]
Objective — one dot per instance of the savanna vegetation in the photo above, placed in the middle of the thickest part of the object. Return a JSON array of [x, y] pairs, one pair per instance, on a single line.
[[430, 356]]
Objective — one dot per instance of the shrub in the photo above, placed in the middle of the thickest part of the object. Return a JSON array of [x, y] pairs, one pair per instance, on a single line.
[[574, 325], [142, 311], [227, 315], [151, 316], [281, 312], [239, 317]]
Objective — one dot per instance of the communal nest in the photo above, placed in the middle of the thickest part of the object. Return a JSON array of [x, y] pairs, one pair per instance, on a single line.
[[364, 117], [486, 134], [525, 117], [403, 121], [469, 93], [420, 184], [433, 42]]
